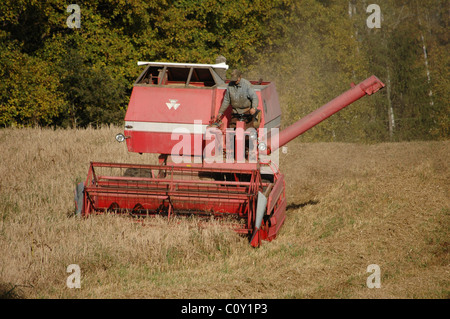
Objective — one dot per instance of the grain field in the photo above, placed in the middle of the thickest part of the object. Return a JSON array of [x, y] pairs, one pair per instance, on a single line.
[[349, 206]]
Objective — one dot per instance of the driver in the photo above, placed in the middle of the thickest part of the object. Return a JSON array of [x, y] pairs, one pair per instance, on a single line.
[[242, 98]]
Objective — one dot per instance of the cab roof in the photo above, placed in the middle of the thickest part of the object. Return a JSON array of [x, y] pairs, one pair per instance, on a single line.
[[169, 73]]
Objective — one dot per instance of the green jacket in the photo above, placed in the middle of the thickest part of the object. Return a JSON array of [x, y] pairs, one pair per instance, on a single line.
[[240, 96]]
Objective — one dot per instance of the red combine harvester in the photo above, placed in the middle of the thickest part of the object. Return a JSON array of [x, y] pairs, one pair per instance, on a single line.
[[205, 168]]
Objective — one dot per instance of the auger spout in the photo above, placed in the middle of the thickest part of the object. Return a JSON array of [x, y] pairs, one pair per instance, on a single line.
[[368, 86]]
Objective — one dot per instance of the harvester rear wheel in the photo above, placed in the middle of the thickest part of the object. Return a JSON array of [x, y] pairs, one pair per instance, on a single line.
[[138, 208], [113, 208]]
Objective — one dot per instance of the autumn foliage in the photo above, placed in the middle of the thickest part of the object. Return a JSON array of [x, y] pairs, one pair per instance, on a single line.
[[53, 75]]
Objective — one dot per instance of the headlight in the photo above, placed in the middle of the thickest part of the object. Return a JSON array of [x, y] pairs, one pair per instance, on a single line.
[[120, 137], [253, 135], [262, 146]]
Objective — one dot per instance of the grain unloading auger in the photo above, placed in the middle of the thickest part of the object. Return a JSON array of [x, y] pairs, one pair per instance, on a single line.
[[205, 170]]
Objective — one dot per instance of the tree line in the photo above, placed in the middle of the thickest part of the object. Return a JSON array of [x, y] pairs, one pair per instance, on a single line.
[[60, 75]]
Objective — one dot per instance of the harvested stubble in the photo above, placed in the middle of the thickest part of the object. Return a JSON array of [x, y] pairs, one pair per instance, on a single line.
[[349, 206]]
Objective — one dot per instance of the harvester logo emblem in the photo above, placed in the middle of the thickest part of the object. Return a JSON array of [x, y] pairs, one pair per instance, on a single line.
[[173, 103]]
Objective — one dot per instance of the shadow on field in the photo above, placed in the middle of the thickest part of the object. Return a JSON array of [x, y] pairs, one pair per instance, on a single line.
[[9, 291], [301, 205]]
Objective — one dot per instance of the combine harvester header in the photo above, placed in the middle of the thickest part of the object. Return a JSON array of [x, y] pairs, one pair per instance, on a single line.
[[205, 169]]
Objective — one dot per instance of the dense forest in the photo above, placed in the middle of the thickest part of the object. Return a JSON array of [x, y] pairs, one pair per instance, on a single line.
[[74, 66]]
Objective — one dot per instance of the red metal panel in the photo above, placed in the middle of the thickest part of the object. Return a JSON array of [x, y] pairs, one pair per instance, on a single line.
[[162, 143], [149, 104], [277, 190], [156, 109], [220, 93], [271, 109]]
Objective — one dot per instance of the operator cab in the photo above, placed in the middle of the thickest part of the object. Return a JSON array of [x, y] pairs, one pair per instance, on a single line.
[[181, 75]]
